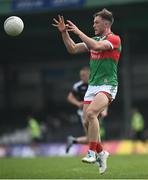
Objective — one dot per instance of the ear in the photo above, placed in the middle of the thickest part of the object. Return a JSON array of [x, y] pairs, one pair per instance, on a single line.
[[106, 23]]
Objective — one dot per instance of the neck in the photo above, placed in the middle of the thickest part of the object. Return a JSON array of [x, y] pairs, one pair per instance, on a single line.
[[106, 32]]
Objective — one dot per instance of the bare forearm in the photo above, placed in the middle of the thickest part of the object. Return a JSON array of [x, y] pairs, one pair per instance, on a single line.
[[91, 43], [69, 43], [74, 101]]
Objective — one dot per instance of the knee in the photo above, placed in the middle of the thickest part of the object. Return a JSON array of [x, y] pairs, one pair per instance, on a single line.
[[89, 115], [103, 114]]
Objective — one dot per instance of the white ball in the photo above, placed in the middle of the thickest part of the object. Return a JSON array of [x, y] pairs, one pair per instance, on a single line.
[[13, 26]]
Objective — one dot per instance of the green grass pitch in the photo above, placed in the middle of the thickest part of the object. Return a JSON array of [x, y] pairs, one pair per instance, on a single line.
[[119, 167]]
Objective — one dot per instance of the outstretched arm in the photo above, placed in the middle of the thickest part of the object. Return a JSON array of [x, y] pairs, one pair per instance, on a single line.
[[91, 43], [71, 46]]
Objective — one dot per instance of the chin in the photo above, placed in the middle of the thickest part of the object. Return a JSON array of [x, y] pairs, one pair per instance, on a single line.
[[96, 33]]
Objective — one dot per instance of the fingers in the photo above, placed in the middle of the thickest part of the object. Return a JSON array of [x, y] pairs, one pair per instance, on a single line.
[[60, 24], [70, 30], [55, 20], [60, 18], [69, 22], [55, 25]]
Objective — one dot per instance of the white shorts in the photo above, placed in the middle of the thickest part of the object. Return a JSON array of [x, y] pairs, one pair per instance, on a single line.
[[93, 90]]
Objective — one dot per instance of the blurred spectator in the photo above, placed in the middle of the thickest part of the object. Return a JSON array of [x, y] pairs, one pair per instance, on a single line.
[[76, 95], [137, 125], [35, 129]]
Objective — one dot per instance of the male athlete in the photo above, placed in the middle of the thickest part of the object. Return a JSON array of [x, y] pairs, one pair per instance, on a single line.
[[104, 50]]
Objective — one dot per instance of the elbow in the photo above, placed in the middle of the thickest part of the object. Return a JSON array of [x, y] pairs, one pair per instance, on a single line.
[[95, 47], [71, 51]]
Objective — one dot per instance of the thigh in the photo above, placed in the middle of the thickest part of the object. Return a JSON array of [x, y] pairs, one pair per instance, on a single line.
[[85, 107], [99, 103]]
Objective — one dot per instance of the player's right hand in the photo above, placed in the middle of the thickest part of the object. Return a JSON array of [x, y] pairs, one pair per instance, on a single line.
[[80, 105], [60, 23]]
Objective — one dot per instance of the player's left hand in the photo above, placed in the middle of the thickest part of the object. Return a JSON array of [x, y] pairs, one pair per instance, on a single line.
[[72, 27], [60, 23]]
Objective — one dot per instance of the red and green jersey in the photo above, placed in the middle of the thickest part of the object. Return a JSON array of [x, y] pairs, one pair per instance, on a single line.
[[103, 64]]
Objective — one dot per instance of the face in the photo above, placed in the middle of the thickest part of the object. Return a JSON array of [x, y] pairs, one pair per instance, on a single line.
[[99, 25], [84, 75]]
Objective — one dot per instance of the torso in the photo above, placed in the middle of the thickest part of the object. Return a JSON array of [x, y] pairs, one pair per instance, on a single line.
[[103, 64]]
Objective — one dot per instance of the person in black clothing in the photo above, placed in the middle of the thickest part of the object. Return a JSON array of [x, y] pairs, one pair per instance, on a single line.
[[76, 95]]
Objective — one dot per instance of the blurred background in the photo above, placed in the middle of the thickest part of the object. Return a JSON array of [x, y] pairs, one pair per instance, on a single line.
[[36, 72]]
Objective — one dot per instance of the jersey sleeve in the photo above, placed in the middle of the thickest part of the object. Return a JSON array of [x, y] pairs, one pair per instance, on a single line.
[[114, 41]]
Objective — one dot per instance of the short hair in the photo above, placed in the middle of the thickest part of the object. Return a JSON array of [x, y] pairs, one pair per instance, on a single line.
[[105, 14]]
